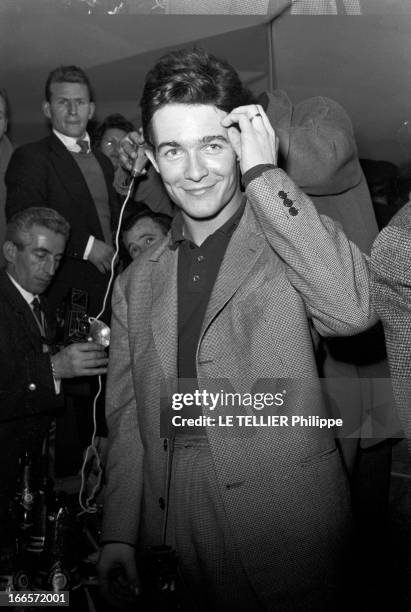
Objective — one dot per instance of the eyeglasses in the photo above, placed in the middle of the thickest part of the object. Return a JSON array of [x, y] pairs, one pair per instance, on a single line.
[[111, 142]]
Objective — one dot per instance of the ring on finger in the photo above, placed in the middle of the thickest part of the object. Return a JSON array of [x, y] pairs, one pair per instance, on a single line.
[[254, 116]]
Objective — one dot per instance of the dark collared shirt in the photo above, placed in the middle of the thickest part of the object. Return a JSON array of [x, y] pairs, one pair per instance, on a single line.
[[198, 268]]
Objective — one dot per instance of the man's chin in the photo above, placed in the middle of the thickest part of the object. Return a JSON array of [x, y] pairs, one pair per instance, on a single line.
[[40, 286]]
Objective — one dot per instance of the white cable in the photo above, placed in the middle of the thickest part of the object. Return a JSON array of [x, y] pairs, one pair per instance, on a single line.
[[92, 450]]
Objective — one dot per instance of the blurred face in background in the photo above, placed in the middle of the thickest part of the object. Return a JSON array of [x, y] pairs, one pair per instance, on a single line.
[[144, 233], [110, 144]]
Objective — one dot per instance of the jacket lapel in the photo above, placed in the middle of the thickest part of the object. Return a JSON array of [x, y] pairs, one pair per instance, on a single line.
[[242, 253], [164, 310], [22, 310]]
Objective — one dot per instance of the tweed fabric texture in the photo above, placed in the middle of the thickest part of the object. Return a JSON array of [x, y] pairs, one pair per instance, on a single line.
[[326, 7], [391, 296], [217, 7], [285, 493], [198, 529]]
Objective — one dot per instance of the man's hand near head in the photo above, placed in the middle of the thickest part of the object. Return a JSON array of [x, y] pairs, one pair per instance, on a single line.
[[80, 359], [132, 155], [254, 140]]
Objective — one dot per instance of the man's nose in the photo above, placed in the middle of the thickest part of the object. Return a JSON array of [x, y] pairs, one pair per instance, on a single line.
[[50, 266], [72, 107], [195, 169]]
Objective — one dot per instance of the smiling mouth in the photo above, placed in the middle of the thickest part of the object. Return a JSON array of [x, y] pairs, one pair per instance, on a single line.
[[200, 191]]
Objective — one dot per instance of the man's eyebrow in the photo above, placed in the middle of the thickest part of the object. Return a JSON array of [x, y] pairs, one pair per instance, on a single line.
[[171, 143], [203, 140], [207, 139], [41, 250]]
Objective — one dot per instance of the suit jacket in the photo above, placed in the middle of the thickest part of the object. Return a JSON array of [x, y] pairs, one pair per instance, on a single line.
[[391, 295], [284, 489], [44, 173], [27, 393]]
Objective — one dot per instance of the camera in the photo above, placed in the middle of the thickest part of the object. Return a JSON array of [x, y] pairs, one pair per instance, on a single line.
[[74, 320]]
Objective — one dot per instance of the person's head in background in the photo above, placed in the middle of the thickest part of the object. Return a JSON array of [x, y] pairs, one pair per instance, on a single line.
[[68, 101], [34, 246], [4, 112], [142, 230], [109, 133]]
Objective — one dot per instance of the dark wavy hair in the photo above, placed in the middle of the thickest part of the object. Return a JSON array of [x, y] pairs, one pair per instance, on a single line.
[[164, 221], [22, 222], [191, 76], [67, 74]]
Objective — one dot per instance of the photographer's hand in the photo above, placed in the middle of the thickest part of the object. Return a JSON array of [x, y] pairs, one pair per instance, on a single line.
[[80, 359], [101, 255], [255, 142], [117, 574], [131, 151]]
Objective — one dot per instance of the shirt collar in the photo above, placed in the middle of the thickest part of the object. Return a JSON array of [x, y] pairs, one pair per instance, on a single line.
[[71, 143], [26, 295], [177, 226]]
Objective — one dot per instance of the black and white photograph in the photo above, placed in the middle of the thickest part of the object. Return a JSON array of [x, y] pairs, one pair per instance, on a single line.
[[205, 305]]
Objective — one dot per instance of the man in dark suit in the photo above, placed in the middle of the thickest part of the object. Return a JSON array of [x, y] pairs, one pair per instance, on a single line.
[[62, 172], [31, 369]]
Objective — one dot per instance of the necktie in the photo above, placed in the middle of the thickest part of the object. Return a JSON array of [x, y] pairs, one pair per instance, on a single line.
[[84, 146], [39, 315]]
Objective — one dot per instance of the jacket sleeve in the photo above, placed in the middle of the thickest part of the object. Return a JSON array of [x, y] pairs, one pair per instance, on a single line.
[[317, 143], [26, 181], [151, 191], [391, 296], [124, 490], [329, 271]]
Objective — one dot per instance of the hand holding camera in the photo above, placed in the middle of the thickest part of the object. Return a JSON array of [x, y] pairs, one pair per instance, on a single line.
[[80, 359]]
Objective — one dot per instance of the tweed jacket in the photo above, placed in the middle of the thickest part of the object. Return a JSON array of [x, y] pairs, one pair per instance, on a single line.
[[27, 393], [285, 492], [44, 173], [391, 296]]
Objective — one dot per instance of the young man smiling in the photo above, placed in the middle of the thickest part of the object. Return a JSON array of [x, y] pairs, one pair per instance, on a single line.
[[259, 518]]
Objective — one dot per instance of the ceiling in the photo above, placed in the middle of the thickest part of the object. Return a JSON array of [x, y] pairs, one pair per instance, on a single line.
[[116, 52]]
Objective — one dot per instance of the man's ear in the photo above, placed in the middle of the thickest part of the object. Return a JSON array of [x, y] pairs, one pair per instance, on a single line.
[[150, 154], [9, 251], [92, 108], [46, 109]]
